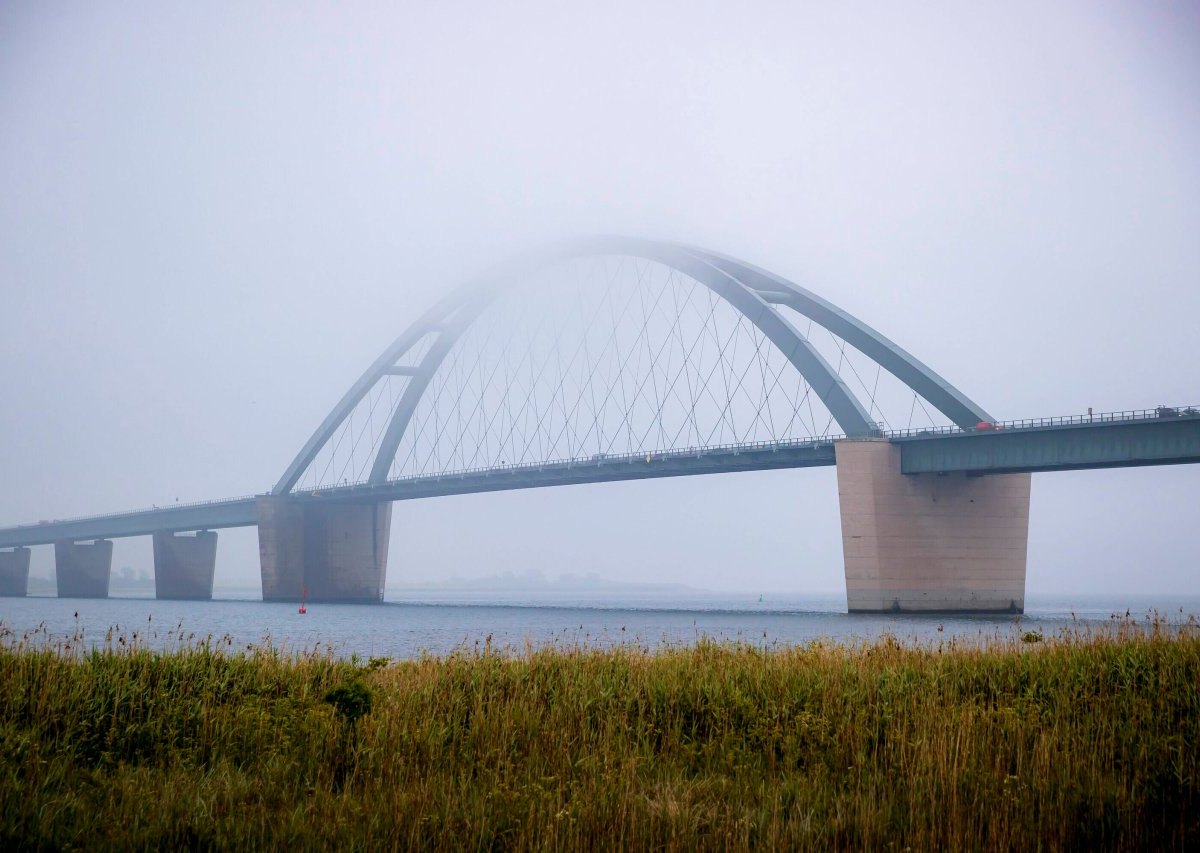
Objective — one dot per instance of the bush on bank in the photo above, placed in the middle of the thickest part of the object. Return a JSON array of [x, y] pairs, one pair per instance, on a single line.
[[1083, 740]]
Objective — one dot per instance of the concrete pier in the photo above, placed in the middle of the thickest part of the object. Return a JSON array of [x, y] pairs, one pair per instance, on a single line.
[[83, 568], [929, 542], [338, 552], [184, 565], [14, 573]]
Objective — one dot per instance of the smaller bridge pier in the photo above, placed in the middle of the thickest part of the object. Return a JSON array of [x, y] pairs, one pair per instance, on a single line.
[[184, 565], [14, 573], [83, 568], [929, 542], [337, 552]]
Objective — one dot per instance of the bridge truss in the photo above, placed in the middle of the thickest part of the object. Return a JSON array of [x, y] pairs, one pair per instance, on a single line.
[[617, 347]]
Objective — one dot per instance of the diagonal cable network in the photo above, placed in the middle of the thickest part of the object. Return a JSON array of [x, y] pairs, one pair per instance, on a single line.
[[558, 391], [642, 335], [609, 356]]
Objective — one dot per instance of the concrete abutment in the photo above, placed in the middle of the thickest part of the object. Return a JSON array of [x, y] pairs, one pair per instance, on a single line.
[[184, 565], [337, 552], [929, 542], [14, 573], [82, 569]]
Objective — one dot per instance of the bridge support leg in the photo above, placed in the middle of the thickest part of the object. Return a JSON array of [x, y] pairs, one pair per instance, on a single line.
[[932, 542], [83, 568], [338, 552], [184, 565], [14, 572]]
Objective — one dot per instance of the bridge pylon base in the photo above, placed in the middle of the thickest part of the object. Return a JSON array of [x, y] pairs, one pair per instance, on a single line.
[[14, 573], [337, 552], [929, 542], [184, 565], [82, 569]]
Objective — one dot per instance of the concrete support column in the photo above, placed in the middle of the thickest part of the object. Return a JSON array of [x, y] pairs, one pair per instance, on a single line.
[[83, 568], [338, 552], [184, 565], [14, 572], [932, 542]]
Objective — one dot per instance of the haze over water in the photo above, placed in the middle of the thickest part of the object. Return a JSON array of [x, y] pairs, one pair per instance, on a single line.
[[410, 623]]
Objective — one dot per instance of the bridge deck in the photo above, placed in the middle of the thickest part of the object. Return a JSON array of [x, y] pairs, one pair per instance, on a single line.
[[1145, 438], [606, 469], [212, 515], [1057, 446]]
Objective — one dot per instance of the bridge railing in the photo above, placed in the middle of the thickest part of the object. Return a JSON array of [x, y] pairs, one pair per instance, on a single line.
[[1157, 413], [594, 459]]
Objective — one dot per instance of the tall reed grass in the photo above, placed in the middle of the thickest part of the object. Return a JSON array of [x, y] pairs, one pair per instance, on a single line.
[[1086, 740]]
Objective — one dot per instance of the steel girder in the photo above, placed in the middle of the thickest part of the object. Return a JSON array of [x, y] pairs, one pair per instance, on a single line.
[[751, 291]]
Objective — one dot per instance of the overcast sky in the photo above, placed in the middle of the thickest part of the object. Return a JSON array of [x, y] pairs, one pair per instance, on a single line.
[[213, 216]]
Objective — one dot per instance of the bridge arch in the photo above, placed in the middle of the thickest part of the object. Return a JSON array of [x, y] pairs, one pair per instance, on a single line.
[[752, 292]]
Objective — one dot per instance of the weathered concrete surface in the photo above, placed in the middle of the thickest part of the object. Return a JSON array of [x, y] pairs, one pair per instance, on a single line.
[[338, 552], [281, 548], [14, 572], [83, 568], [929, 542], [184, 565]]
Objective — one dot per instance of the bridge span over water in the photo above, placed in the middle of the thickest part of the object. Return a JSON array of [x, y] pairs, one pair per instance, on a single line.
[[618, 359]]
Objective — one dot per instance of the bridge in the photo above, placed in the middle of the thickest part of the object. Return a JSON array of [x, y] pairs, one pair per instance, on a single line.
[[613, 359]]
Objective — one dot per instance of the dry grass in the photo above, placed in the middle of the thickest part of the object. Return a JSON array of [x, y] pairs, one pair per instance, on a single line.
[[1087, 740]]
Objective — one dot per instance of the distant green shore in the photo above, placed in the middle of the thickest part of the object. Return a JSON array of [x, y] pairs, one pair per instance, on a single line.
[[1088, 740]]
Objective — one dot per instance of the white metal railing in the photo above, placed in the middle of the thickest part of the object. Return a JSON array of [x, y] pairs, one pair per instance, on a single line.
[[594, 459], [1157, 413]]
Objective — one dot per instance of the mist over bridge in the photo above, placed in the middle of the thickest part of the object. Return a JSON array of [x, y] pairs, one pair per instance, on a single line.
[[615, 358]]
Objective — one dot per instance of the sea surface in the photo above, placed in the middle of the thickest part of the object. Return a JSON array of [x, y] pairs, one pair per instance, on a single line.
[[411, 624]]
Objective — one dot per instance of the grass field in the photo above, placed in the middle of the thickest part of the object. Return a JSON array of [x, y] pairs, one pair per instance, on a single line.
[[1088, 740]]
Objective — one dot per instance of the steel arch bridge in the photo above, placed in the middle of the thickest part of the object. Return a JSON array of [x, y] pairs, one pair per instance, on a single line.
[[617, 358], [419, 370]]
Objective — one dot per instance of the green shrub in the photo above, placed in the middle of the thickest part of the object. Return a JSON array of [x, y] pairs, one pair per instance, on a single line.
[[1089, 740]]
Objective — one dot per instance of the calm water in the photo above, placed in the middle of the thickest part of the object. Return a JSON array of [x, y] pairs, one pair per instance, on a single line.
[[437, 623]]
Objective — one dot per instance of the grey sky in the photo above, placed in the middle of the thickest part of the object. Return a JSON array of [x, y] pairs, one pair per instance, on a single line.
[[213, 216]]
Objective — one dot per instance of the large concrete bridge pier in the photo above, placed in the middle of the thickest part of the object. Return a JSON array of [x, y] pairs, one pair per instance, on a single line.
[[83, 568], [929, 542], [337, 552], [184, 565], [14, 572]]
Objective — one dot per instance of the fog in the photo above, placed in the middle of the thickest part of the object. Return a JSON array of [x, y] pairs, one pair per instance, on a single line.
[[214, 216]]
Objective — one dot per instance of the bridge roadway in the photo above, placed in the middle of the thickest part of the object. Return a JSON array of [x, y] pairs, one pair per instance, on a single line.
[[1153, 437]]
